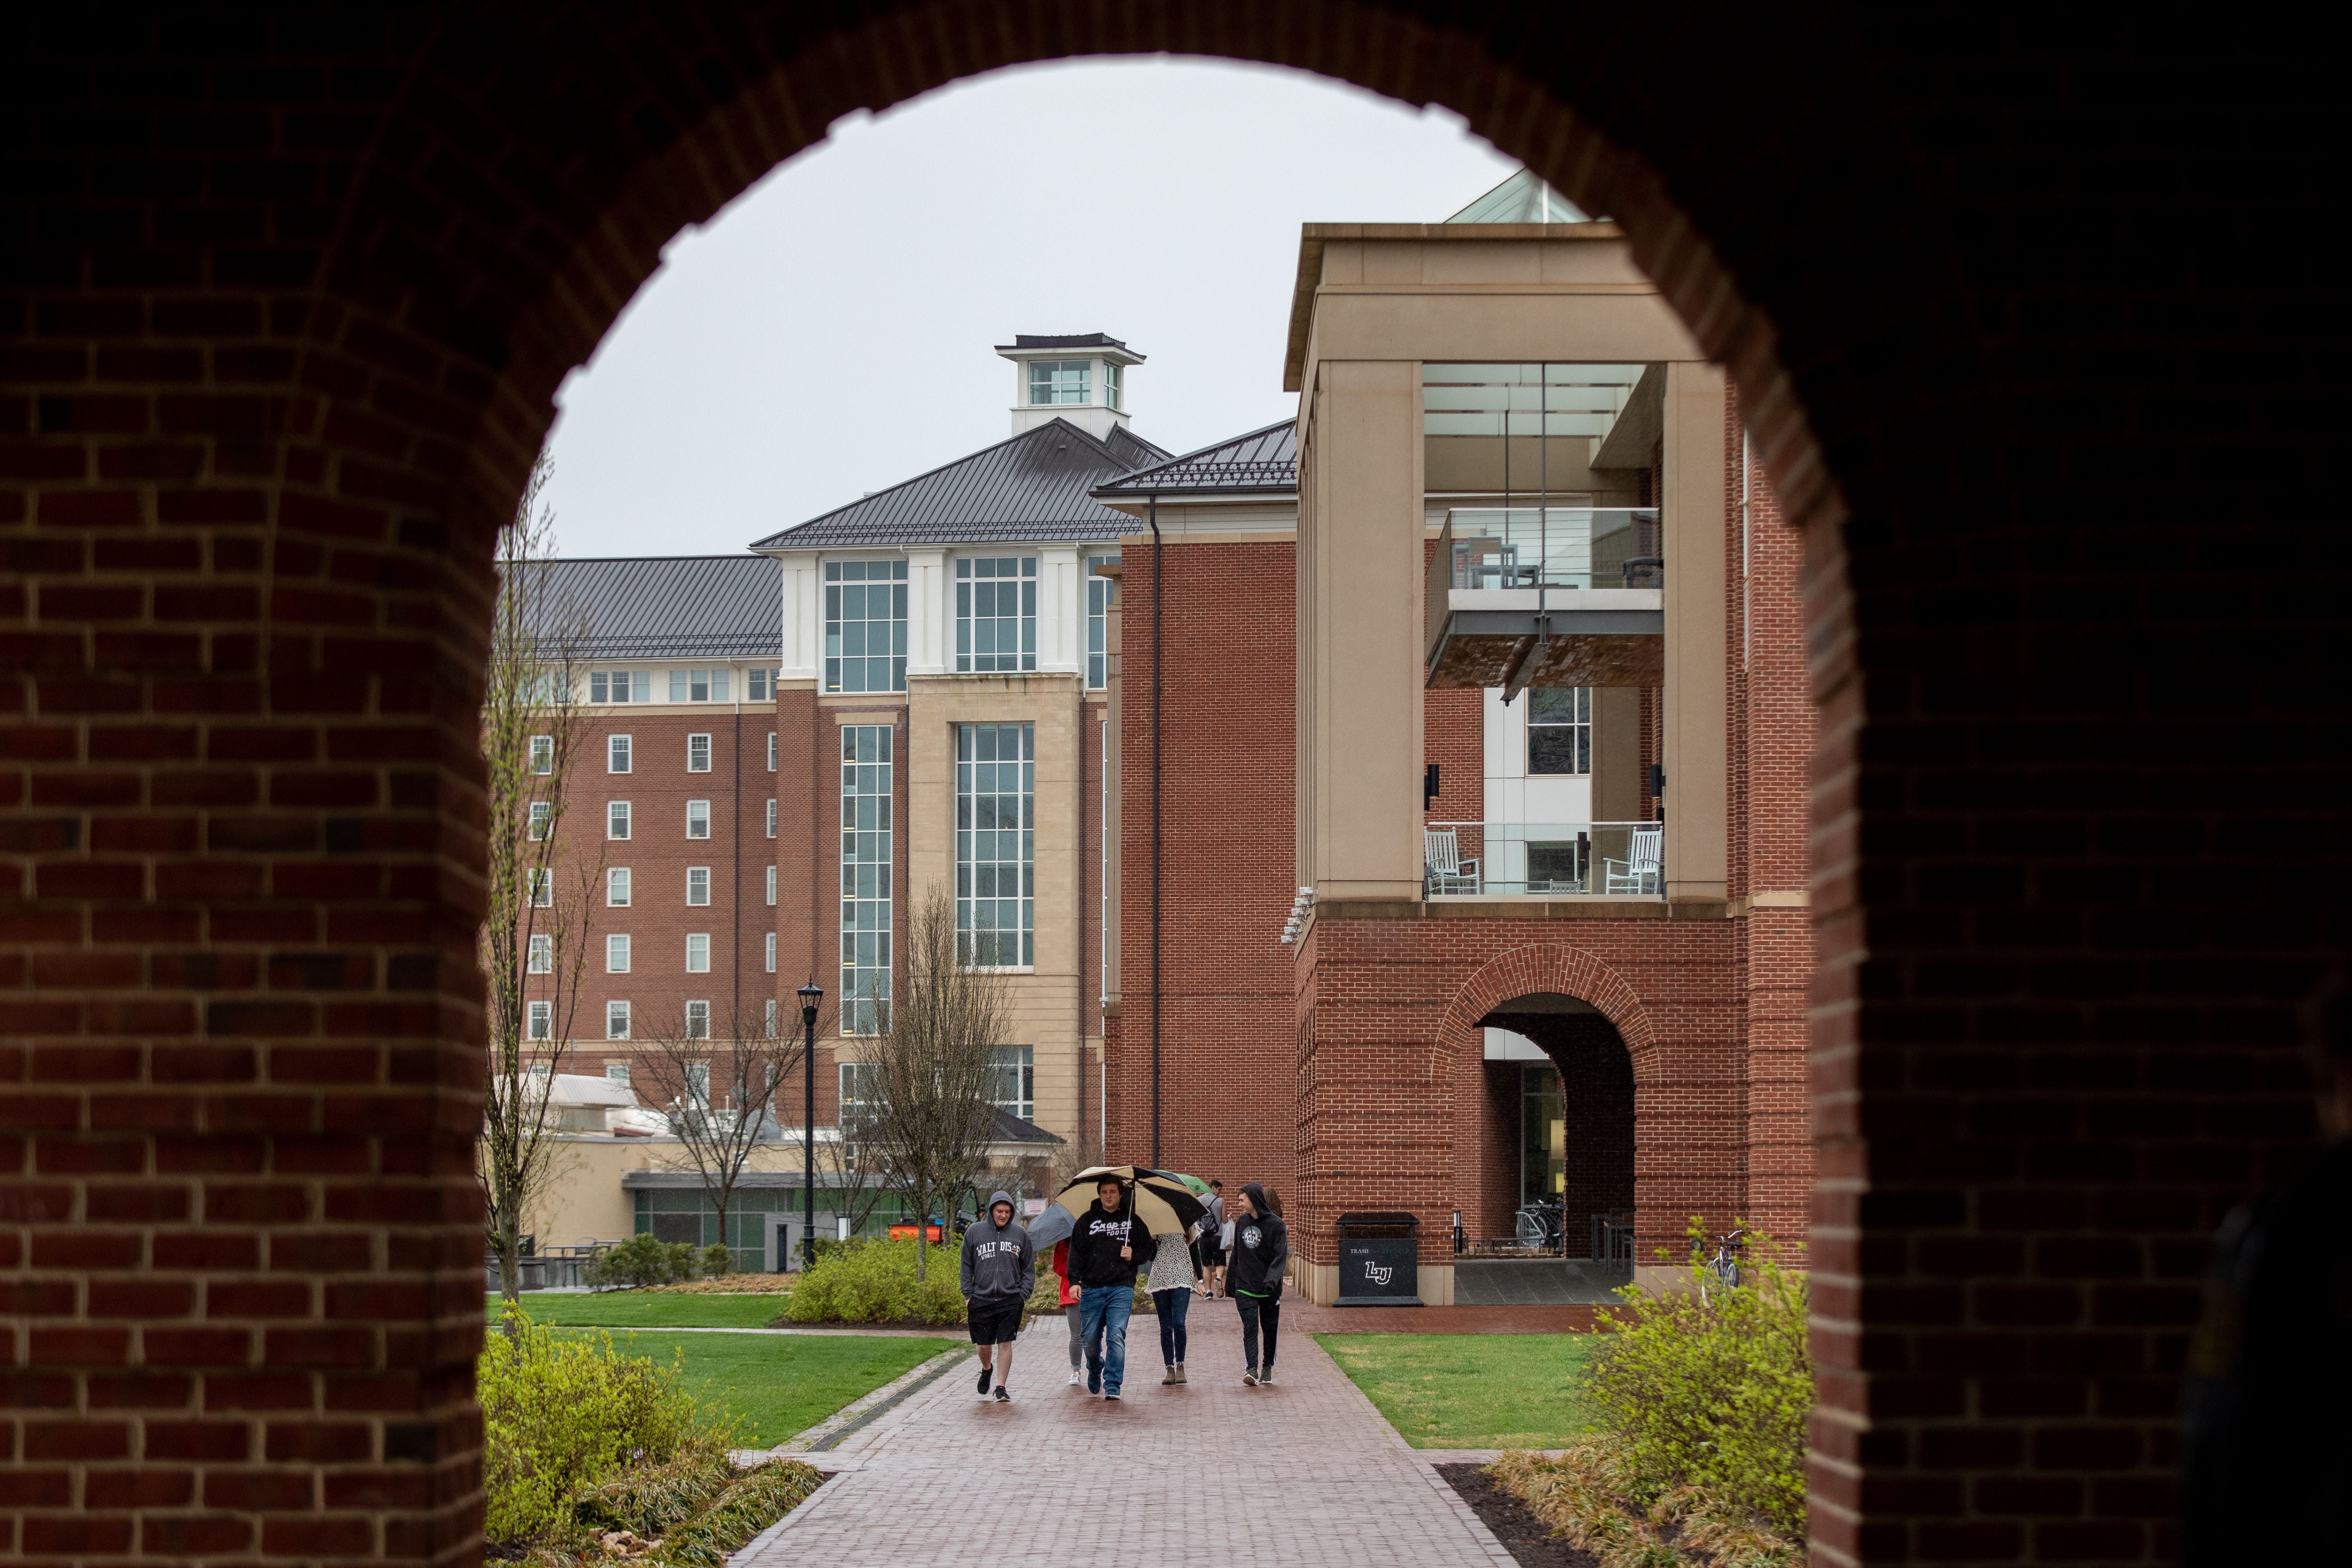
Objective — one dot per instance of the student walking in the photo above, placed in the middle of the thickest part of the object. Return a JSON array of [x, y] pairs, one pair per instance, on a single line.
[[1069, 1309], [1261, 1247], [1105, 1249], [1173, 1274], [1215, 1230], [998, 1270]]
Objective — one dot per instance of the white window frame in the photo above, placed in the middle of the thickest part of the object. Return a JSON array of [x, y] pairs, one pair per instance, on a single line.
[[894, 625], [771, 1017], [616, 1020], [697, 753], [969, 581], [543, 754], [616, 1072], [698, 880], [541, 888], [1021, 1061], [772, 750], [538, 1020], [771, 952], [697, 1074], [617, 891], [697, 814], [539, 957], [757, 686], [616, 952], [771, 817], [1053, 379], [540, 814], [1102, 597], [618, 757], [616, 821], [979, 881], [1579, 730], [772, 887], [698, 952]]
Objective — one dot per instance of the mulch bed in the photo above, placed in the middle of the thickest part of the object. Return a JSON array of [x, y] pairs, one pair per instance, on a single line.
[[1528, 1539]]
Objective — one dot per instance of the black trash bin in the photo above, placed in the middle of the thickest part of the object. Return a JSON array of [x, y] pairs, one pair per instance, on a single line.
[[1379, 1261]]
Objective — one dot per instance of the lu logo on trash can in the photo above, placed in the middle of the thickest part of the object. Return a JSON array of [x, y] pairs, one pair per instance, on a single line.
[[1377, 1275]]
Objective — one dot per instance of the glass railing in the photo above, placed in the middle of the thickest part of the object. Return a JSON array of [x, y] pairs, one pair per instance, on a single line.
[[1495, 860], [1555, 547]]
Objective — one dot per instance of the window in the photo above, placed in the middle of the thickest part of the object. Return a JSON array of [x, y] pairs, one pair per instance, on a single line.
[[1102, 592], [616, 819], [697, 886], [1559, 730], [617, 888], [866, 859], [996, 788], [616, 753], [771, 1017], [697, 1074], [996, 613], [542, 1016], [616, 1020], [616, 1072], [542, 955], [621, 686], [1053, 381], [542, 811], [772, 750], [866, 626], [616, 955], [697, 753], [1014, 1069], [772, 887], [771, 817], [860, 1090], [698, 820], [543, 890], [698, 952], [698, 686], [758, 686], [542, 754], [771, 952], [1112, 390]]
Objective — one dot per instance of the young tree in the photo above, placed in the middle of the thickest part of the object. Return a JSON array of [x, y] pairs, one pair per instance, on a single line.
[[927, 1077], [717, 1083], [534, 936]]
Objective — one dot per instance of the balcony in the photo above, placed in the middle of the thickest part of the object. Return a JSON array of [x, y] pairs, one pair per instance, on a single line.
[[1546, 596], [1543, 860]]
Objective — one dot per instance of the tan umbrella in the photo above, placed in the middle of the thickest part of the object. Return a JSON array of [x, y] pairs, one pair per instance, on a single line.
[[1162, 1202]]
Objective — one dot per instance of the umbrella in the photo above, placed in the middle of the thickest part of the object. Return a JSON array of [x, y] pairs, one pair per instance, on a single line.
[[1163, 1202], [1055, 1225]]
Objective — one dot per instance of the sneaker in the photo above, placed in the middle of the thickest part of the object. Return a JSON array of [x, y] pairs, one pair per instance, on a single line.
[[1249, 1377], [985, 1374], [1003, 1397], [1112, 1397], [1094, 1385], [1265, 1377], [1077, 1378]]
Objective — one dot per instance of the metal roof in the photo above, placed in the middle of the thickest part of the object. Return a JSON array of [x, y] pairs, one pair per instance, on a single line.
[[692, 605], [1074, 341], [1264, 462], [1034, 487]]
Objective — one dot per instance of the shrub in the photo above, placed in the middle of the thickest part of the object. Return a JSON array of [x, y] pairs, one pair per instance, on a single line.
[[873, 1281], [560, 1413], [1709, 1390], [643, 1260], [714, 1262]]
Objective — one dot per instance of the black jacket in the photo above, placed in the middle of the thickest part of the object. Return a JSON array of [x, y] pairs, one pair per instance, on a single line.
[[1095, 1244], [1261, 1247]]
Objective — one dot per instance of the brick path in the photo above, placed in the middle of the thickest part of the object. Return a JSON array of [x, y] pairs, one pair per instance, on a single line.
[[1303, 1473]]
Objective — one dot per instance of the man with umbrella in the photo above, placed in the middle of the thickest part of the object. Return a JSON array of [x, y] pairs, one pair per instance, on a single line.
[[1106, 1247]]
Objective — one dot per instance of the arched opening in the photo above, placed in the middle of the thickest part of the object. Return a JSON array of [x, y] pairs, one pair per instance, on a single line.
[[1557, 1165]]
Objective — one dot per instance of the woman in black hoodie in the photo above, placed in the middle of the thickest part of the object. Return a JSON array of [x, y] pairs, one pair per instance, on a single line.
[[1261, 1248]]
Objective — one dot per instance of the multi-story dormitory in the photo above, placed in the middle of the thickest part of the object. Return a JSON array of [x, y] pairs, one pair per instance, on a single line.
[[1400, 805]]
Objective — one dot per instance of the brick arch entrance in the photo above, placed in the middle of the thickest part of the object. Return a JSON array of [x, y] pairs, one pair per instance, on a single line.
[[285, 303], [1554, 969]]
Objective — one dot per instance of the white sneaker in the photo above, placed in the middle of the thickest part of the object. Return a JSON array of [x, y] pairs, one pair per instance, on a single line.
[[1077, 1378]]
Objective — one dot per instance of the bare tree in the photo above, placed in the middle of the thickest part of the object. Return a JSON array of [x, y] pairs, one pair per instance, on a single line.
[[718, 1086], [535, 926], [927, 1078], [853, 1160]]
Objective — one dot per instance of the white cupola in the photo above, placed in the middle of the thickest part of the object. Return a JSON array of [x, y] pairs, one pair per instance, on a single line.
[[1081, 378]]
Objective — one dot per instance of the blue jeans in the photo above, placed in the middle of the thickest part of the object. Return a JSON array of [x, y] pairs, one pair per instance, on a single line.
[[1172, 1306], [1103, 1311]]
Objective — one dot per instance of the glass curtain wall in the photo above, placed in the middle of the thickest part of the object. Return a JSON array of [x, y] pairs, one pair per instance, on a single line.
[[866, 626], [866, 859], [996, 792]]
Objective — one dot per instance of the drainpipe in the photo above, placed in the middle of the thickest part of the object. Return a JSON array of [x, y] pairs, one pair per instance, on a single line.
[[1086, 589], [1157, 590], [735, 892]]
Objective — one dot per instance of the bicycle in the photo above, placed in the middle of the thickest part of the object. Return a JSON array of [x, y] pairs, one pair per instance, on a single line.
[[1723, 1268], [1539, 1225]]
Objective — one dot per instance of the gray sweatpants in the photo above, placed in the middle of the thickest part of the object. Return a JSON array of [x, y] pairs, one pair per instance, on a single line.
[[1078, 1348]]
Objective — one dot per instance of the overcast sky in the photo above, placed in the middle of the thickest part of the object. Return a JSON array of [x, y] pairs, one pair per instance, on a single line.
[[829, 333]]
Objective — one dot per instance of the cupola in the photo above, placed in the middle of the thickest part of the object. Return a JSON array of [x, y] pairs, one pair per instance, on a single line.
[[1081, 377]]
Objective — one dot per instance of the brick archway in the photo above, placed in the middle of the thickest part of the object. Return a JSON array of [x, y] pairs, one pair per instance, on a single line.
[[1557, 968], [287, 302]]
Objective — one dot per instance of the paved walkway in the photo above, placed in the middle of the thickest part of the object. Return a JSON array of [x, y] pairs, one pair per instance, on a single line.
[[1304, 1473]]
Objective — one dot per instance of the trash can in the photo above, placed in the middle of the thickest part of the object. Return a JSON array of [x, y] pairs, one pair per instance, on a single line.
[[1379, 1261]]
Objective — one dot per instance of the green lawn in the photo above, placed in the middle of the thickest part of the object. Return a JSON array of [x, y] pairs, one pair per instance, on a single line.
[[1468, 1391], [649, 1310], [774, 1386]]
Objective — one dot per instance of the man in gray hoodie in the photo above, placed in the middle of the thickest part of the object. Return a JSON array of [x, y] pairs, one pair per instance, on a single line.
[[1000, 1268]]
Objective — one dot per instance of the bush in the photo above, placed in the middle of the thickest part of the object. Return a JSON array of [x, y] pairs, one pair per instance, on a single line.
[[873, 1281], [560, 1413], [698, 1505], [645, 1260], [1709, 1391]]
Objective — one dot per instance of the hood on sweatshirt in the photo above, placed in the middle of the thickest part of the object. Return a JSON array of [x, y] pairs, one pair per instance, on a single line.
[[996, 1197], [1256, 1195]]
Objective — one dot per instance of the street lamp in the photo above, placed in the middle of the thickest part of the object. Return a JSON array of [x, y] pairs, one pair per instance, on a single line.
[[811, 995]]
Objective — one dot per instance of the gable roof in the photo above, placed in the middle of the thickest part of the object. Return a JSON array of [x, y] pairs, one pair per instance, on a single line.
[[1263, 462], [1034, 488], [713, 607]]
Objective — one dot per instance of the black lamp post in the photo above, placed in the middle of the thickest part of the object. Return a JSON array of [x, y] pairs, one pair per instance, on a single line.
[[811, 995]]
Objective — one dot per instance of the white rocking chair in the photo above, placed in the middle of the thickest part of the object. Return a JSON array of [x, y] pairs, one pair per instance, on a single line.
[[1442, 862], [1640, 873]]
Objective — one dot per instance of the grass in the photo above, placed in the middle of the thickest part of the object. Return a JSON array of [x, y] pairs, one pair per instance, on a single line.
[[774, 1387], [1468, 1391], [649, 1310]]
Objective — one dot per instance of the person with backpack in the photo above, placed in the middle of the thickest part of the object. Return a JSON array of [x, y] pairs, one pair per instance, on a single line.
[[1107, 1249], [1216, 1235], [1261, 1250], [998, 1271]]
